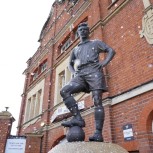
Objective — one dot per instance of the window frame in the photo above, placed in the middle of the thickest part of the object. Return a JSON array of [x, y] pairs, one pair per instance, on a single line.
[[31, 109], [40, 69], [62, 68], [43, 67], [65, 45]]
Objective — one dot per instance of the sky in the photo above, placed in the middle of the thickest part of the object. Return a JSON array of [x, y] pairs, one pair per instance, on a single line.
[[20, 27]]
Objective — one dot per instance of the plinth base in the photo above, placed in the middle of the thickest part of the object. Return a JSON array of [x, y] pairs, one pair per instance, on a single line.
[[87, 147]]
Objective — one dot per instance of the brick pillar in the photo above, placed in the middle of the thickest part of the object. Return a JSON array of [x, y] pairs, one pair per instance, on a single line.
[[6, 121], [33, 143], [107, 130]]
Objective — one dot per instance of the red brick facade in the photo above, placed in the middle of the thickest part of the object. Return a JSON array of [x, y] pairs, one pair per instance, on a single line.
[[129, 75]]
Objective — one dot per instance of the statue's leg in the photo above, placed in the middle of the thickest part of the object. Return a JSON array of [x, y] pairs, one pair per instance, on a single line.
[[70, 103], [99, 116]]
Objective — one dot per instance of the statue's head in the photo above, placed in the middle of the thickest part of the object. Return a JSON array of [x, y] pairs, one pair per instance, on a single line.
[[83, 25], [83, 30]]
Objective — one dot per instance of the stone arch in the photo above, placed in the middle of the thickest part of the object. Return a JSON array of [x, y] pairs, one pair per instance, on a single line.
[[144, 120], [149, 122], [57, 141], [150, 130]]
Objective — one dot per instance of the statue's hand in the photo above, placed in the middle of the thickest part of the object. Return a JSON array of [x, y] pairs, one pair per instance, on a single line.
[[75, 74]]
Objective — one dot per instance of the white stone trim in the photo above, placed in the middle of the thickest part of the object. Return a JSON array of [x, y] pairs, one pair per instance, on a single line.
[[107, 101], [135, 92]]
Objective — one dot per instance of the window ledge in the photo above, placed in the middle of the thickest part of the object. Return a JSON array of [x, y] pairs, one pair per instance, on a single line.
[[32, 121], [60, 54]]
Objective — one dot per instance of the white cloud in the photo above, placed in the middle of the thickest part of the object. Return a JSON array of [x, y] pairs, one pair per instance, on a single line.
[[20, 27]]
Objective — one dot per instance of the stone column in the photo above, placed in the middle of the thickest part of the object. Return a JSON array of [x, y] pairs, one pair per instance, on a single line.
[[6, 121], [33, 143], [107, 130]]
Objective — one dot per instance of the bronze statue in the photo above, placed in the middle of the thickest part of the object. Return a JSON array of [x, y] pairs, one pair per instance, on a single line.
[[88, 77]]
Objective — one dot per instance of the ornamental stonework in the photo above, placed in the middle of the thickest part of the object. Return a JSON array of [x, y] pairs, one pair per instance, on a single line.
[[147, 26]]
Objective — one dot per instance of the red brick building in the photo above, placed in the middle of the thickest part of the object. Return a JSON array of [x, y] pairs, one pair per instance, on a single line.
[[125, 25]]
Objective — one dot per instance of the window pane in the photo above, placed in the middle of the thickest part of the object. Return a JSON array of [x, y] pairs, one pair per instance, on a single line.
[[62, 79], [32, 106], [61, 83], [66, 45], [37, 108], [27, 116], [43, 67], [68, 75]]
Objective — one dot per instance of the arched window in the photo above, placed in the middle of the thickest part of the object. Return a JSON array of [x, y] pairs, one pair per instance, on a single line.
[[64, 140], [150, 122]]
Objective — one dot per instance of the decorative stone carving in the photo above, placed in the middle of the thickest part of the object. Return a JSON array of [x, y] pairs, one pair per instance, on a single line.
[[147, 25]]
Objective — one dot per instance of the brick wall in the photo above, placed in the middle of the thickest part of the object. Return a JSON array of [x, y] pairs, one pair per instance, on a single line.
[[133, 111], [133, 54]]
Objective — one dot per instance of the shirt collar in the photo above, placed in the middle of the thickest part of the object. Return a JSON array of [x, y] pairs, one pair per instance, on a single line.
[[86, 41]]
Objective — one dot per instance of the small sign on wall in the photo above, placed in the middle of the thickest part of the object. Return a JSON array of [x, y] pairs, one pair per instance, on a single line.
[[64, 110], [15, 144], [128, 132]]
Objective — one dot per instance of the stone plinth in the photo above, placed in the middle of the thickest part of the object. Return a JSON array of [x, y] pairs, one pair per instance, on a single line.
[[87, 147]]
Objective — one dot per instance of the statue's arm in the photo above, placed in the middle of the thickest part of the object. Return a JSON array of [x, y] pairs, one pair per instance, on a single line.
[[110, 54], [71, 63]]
